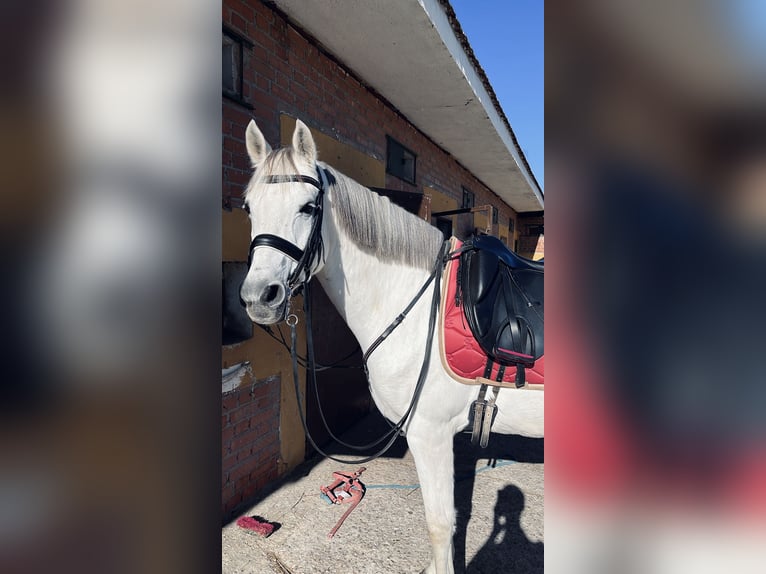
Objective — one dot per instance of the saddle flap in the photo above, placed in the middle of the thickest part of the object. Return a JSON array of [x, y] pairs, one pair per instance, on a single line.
[[503, 305]]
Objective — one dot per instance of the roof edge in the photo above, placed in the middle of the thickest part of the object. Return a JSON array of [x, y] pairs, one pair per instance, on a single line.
[[474, 61]]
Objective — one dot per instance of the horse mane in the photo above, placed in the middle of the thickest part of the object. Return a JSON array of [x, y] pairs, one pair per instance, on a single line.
[[380, 227], [370, 220]]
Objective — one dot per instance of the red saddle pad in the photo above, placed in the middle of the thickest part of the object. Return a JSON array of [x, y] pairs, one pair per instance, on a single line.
[[461, 355]]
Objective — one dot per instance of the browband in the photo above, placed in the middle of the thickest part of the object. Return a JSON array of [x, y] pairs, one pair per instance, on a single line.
[[292, 178]]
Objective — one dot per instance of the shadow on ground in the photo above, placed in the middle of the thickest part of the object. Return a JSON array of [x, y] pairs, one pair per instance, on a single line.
[[507, 549]]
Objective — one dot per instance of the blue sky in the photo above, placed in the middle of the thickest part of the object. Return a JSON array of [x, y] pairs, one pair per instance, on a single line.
[[507, 38]]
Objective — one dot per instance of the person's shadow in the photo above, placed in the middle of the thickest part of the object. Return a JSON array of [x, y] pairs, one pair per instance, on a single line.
[[507, 549]]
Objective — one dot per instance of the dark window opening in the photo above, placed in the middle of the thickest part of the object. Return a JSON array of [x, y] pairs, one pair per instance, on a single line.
[[237, 326], [468, 198], [444, 225], [510, 226], [232, 65], [494, 215], [400, 161], [411, 201]]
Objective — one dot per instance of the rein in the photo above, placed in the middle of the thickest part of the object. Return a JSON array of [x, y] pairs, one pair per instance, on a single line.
[[393, 433]]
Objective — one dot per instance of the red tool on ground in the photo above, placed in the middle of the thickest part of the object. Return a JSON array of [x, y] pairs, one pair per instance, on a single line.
[[256, 525], [352, 486]]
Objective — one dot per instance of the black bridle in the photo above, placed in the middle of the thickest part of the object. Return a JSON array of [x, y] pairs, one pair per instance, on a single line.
[[305, 258]]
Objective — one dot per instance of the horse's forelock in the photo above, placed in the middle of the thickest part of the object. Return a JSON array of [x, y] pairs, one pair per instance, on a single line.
[[278, 162]]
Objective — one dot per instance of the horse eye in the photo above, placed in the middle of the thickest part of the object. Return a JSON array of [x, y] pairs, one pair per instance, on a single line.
[[309, 209], [246, 207]]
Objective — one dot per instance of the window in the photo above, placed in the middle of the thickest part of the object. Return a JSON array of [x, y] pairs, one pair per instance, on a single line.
[[232, 65], [494, 215], [400, 161], [510, 226], [468, 198]]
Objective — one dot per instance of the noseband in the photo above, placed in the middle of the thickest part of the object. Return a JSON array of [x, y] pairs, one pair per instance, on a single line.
[[313, 251]]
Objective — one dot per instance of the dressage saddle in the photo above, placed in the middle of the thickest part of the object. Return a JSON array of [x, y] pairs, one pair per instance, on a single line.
[[502, 298]]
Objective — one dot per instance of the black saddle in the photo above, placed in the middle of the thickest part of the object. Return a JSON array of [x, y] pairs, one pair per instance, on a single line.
[[502, 298]]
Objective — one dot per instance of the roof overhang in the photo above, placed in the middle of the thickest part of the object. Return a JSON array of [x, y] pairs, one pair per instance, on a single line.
[[414, 54]]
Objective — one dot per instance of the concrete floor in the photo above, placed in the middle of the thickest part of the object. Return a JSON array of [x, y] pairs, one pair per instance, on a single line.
[[499, 525]]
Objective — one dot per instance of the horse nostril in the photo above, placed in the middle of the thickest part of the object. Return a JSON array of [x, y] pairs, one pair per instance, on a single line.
[[272, 294]]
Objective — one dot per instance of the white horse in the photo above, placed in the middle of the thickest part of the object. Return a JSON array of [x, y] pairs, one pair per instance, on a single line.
[[375, 258]]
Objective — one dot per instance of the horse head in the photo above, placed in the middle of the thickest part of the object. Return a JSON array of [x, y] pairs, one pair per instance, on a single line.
[[284, 199]]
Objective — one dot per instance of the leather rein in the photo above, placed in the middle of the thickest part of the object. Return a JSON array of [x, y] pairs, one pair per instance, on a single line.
[[299, 280]]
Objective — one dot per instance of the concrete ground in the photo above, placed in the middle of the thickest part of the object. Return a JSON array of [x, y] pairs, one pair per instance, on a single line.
[[498, 494]]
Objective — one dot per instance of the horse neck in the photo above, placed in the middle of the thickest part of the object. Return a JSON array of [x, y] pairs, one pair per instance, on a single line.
[[367, 292]]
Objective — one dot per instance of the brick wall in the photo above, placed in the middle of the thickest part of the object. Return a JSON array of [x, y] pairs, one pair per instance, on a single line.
[[531, 237], [285, 72], [250, 441]]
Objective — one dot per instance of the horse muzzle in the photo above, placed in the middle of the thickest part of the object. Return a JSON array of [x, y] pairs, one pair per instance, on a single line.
[[266, 303]]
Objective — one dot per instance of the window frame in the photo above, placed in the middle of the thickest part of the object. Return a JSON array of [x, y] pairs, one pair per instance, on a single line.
[[469, 197], [392, 143], [238, 43]]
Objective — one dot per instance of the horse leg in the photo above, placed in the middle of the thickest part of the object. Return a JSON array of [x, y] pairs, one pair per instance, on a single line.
[[433, 454]]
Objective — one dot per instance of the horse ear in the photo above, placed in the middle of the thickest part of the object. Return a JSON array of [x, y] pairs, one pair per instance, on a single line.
[[303, 143], [257, 146]]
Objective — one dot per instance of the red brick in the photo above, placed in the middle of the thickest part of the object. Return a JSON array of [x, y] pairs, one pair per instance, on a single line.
[[226, 465], [238, 22], [244, 440], [242, 426], [238, 472], [241, 413], [230, 401], [247, 10], [260, 391]]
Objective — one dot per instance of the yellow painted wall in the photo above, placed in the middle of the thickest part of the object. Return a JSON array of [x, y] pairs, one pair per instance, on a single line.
[[480, 220], [235, 235], [366, 170], [438, 201]]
